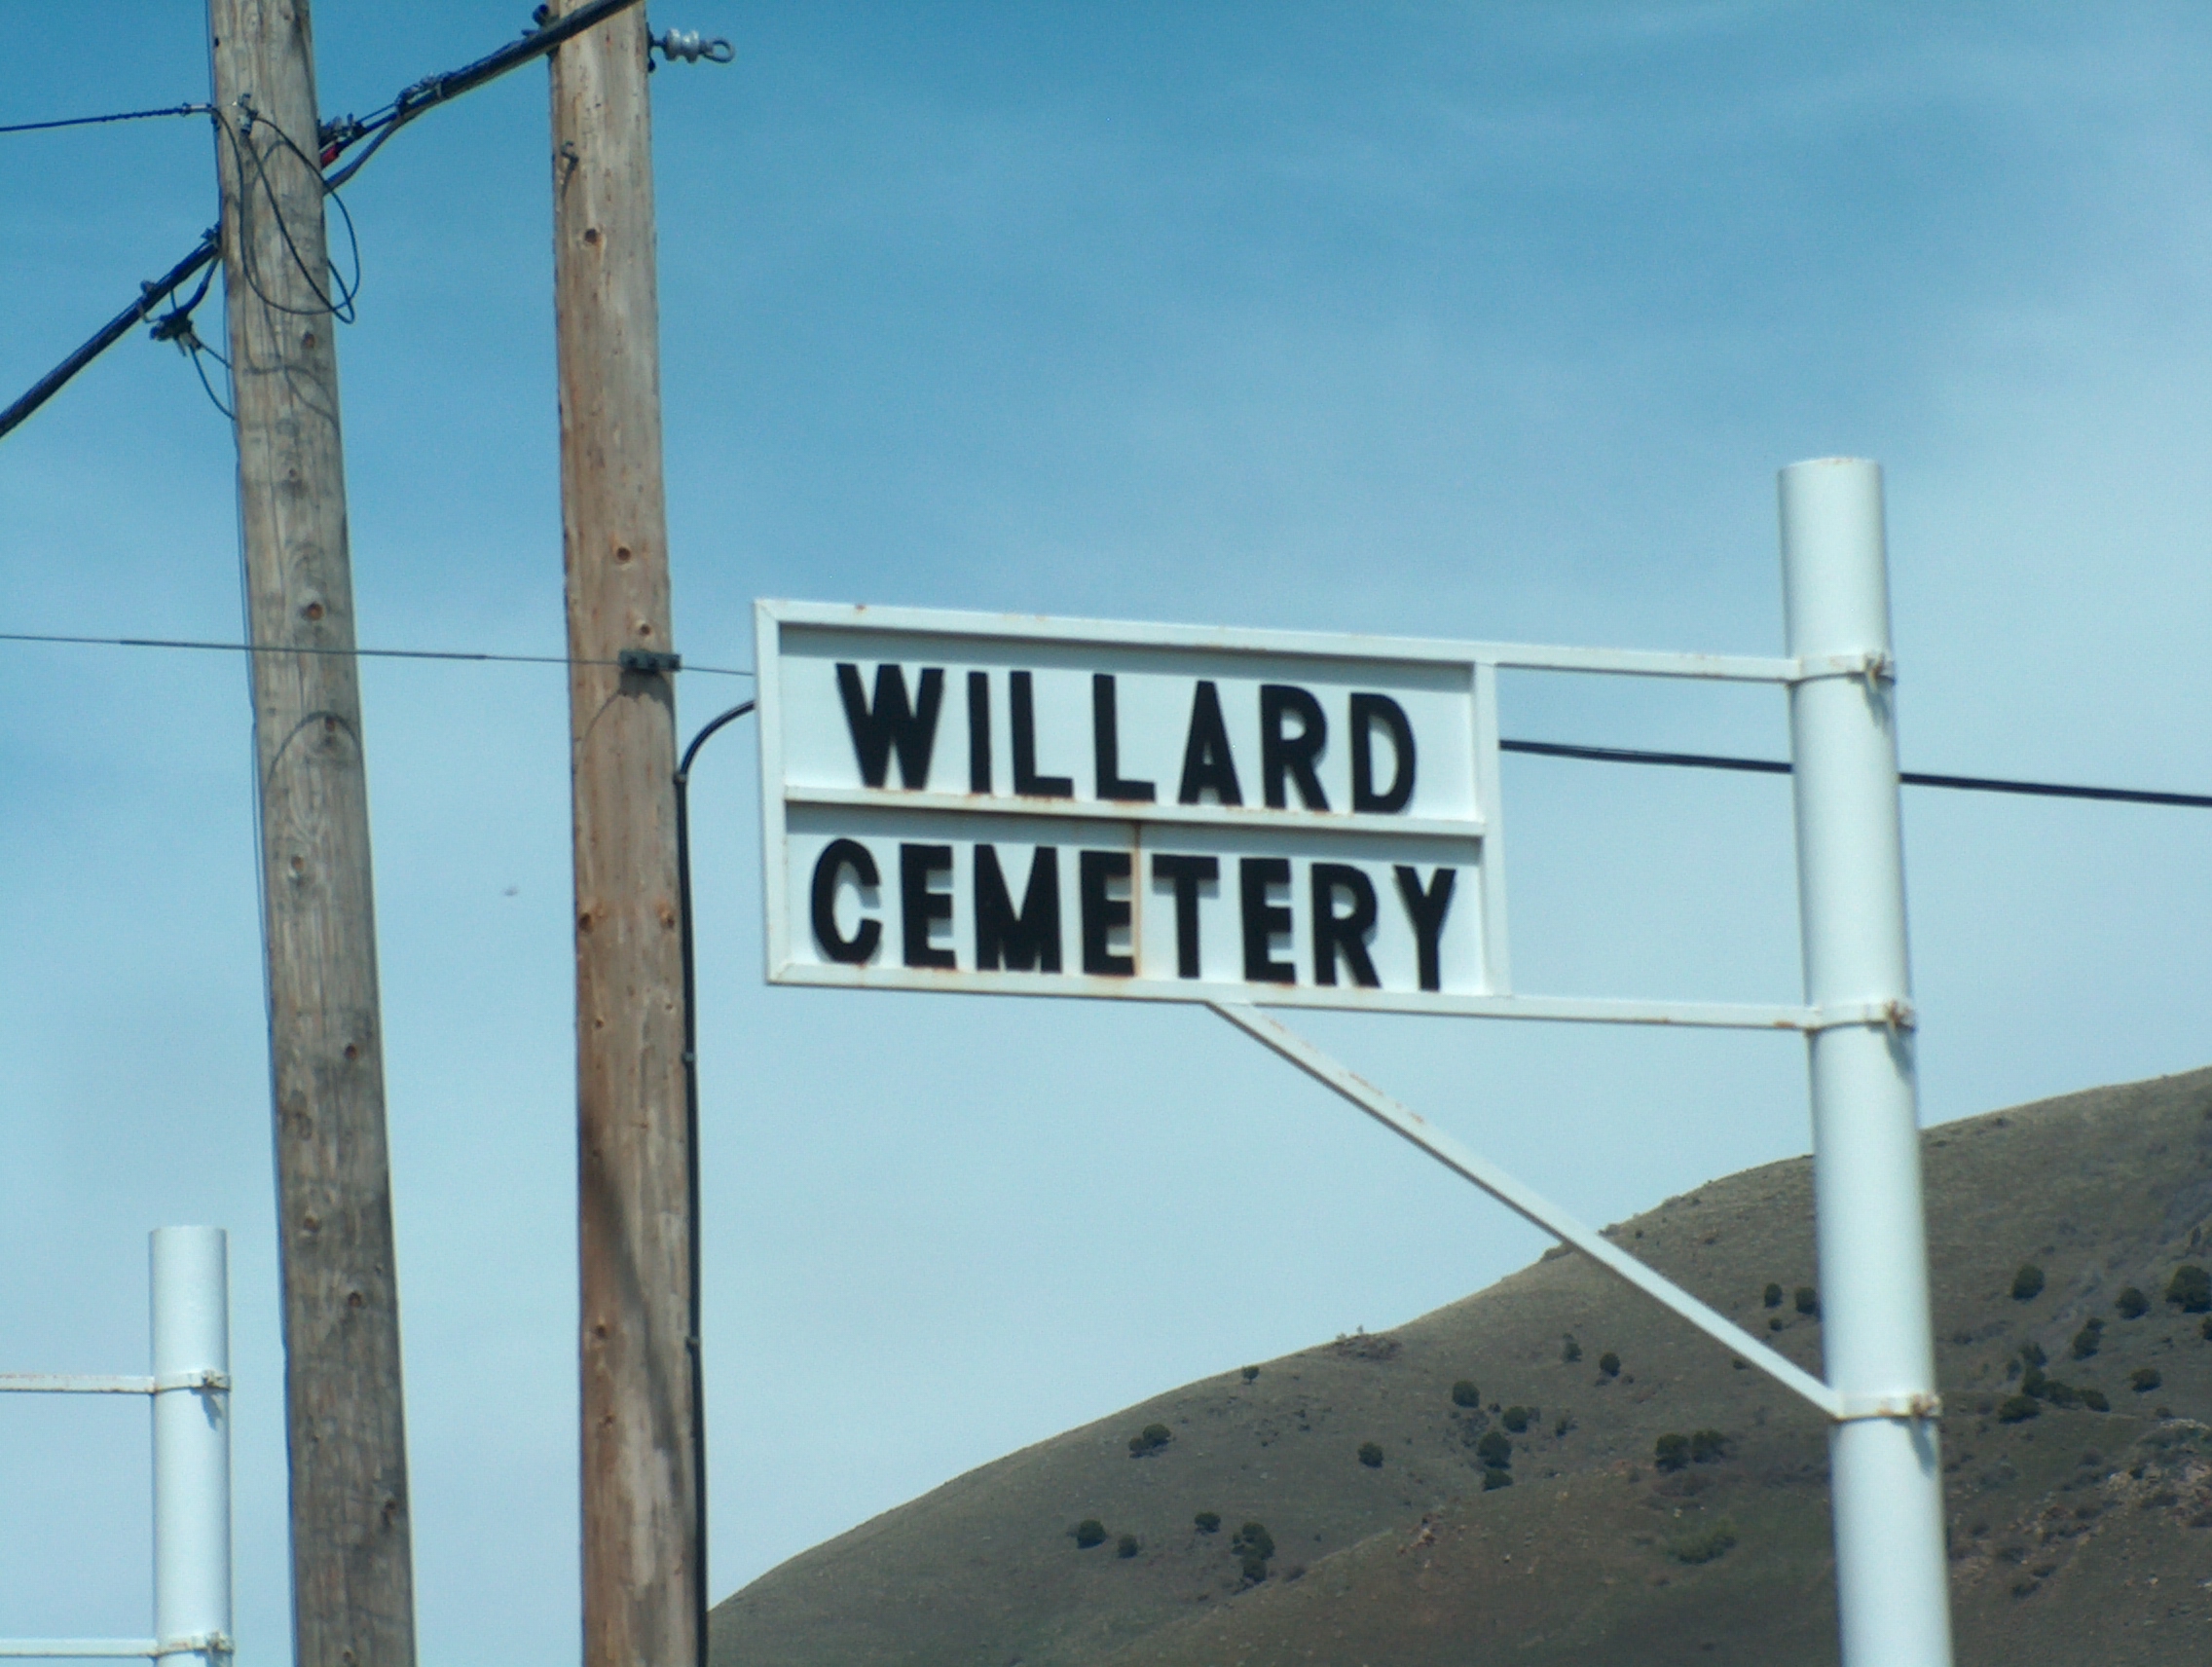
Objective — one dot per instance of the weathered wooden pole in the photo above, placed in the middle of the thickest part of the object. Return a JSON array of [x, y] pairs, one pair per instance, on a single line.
[[353, 1595], [643, 1586]]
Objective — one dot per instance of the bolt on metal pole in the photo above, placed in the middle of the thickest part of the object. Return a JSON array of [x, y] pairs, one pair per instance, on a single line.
[[192, 1442], [1886, 1479]]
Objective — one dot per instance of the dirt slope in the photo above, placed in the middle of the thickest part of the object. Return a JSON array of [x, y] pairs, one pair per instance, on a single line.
[[2076, 1535]]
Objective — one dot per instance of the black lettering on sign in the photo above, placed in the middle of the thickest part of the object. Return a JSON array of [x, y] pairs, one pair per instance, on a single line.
[[919, 906], [978, 732], [891, 725], [1027, 781], [1427, 911], [839, 858], [1263, 920], [1367, 711], [1207, 766], [1342, 935], [1294, 756], [1027, 942], [1186, 873], [1106, 746], [1103, 915]]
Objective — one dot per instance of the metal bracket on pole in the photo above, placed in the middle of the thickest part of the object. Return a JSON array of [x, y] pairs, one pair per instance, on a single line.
[[1870, 666], [1894, 1014], [1533, 1207], [1914, 1407]]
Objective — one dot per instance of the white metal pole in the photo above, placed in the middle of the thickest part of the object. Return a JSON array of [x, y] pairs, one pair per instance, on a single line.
[[1886, 1476], [192, 1442]]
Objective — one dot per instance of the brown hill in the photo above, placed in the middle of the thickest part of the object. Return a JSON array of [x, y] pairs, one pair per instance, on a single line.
[[2077, 1533]]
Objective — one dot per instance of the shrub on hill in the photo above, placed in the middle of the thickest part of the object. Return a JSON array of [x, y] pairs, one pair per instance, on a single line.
[[2087, 1340], [2143, 1378], [2190, 1288], [1251, 1372], [1150, 1440], [1772, 1296], [1088, 1532], [1494, 1451], [1571, 1351], [1370, 1454], [1497, 1478], [1609, 1364], [2131, 1303], [1466, 1395], [2032, 1354], [1807, 1302], [1670, 1452], [1705, 1544], [1126, 1546], [1515, 1418], [1252, 1546], [2016, 1409], [2094, 1400], [1206, 1522], [1708, 1445], [1565, 1423], [2027, 1283]]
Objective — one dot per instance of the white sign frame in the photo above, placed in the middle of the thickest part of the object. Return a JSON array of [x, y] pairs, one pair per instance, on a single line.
[[902, 635]]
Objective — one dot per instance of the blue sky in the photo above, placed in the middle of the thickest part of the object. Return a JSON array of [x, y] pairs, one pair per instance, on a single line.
[[1479, 320]]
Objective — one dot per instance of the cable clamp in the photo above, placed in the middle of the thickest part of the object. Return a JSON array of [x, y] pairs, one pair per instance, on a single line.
[[1922, 1406], [649, 661]]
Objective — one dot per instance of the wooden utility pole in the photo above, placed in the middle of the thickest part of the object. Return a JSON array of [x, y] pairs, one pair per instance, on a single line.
[[644, 1582], [353, 1591]]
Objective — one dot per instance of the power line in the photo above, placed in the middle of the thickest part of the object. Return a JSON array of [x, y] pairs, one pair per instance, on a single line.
[[1539, 749], [332, 141], [93, 120], [1910, 778], [640, 661]]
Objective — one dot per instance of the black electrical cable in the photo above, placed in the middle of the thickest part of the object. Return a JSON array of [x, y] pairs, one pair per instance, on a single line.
[[1909, 778], [334, 139], [200, 350], [435, 90], [356, 654], [700, 1596], [176, 325], [150, 295], [95, 121], [251, 164]]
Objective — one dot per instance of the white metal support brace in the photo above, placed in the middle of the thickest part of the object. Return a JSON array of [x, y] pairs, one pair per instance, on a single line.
[[1533, 1207], [106, 1383], [216, 1645]]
